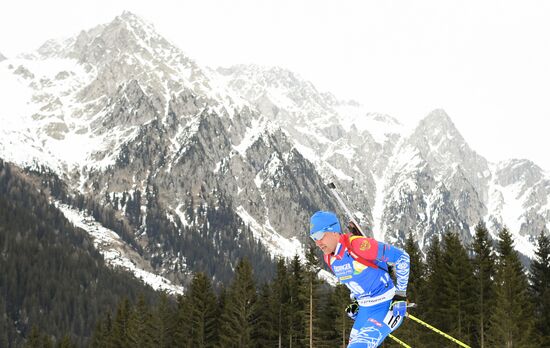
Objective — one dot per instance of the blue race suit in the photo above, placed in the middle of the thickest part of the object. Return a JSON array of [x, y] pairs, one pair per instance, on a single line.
[[371, 286]]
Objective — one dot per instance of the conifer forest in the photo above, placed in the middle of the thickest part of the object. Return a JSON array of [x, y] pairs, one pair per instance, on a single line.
[[55, 291]]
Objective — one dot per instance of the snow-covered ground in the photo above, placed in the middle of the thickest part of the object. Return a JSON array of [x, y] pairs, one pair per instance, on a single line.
[[116, 252], [273, 241]]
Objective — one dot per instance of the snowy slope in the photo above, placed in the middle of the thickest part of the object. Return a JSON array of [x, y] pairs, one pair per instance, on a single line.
[[116, 252], [64, 95]]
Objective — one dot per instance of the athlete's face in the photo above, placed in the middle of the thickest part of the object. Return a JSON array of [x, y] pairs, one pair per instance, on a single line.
[[328, 243]]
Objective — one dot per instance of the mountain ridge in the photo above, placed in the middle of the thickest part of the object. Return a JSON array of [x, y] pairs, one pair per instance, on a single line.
[[253, 145]]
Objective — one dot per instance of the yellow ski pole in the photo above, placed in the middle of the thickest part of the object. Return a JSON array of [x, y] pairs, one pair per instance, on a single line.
[[438, 331], [401, 343]]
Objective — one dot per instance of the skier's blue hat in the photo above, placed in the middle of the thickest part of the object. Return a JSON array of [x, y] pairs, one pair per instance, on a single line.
[[324, 221]]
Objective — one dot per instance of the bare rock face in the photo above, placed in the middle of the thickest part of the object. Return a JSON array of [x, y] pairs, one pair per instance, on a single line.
[[526, 185]]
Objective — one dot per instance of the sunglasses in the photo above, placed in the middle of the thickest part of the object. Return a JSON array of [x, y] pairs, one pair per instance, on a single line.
[[320, 234], [317, 235]]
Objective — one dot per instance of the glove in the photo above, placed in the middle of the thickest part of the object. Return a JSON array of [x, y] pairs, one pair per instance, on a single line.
[[399, 304], [352, 227], [352, 309]]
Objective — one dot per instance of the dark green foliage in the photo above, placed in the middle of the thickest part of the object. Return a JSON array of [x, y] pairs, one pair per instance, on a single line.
[[281, 300], [203, 313], [512, 323], [265, 334], [165, 316], [121, 333], [335, 325], [408, 331], [66, 343], [540, 288], [418, 270], [299, 297], [50, 274], [144, 329], [433, 309], [483, 263], [264, 318], [458, 290], [133, 326], [239, 316], [182, 332], [313, 302]]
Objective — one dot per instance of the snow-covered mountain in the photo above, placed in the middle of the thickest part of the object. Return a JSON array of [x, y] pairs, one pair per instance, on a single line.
[[425, 181], [242, 154]]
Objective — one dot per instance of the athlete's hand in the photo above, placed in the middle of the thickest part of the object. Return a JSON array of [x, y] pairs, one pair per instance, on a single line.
[[399, 304], [352, 309]]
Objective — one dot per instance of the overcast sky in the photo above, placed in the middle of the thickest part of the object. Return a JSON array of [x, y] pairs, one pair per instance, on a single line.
[[485, 62]]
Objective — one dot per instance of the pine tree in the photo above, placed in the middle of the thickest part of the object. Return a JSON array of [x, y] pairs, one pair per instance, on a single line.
[[47, 342], [238, 316], [483, 263], [265, 334], [4, 323], [410, 332], [335, 325], [281, 299], [66, 342], [458, 288], [166, 317], [100, 336], [203, 312], [182, 333], [418, 270], [312, 335], [34, 338], [142, 332], [222, 302], [540, 288], [299, 294], [433, 306], [120, 333], [512, 321]]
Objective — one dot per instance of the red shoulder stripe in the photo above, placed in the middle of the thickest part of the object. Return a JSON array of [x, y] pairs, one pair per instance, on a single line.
[[356, 256]]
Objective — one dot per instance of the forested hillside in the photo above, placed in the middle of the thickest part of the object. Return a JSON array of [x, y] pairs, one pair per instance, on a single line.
[[51, 277], [479, 294]]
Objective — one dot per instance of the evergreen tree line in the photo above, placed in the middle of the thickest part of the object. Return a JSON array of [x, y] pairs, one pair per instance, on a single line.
[[51, 276], [294, 309], [479, 294]]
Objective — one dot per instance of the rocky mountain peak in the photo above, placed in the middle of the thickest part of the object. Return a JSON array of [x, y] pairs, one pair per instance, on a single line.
[[518, 170], [448, 155], [127, 40], [126, 35], [282, 87], [2, 57], [437, 126], [265, 76], [441, 143], [383, 118]]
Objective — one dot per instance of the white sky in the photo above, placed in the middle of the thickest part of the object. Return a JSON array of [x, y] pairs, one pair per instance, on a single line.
[[484, 62]]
